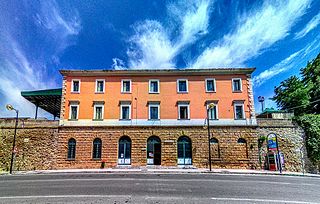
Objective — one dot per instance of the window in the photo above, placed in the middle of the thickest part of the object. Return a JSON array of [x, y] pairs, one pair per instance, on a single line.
[[75, 86], [98, 111], [74, 112], [183, 111], [210, 85], [243, 149], [184, 151], [154, 86], [71, 149], [215, 148], [154, 111], [124, 150], [213, 112], [125, 111], [239, 111], [126, 86], [242, 141], [100, 85], [236, 85], [214, 141], [182, 85], [96, 151]]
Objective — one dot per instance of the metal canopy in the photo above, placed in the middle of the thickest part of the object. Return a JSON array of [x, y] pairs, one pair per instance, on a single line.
[[49, 100]]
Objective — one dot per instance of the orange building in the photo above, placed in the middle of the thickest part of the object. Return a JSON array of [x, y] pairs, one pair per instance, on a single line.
[[156, 117]]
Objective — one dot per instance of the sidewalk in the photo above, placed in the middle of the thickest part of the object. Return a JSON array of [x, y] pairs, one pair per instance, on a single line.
[[144, 170]]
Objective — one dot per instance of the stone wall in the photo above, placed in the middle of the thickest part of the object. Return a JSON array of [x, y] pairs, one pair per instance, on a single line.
[[36, 143], [290, 139], [42, 144], [232, 154]]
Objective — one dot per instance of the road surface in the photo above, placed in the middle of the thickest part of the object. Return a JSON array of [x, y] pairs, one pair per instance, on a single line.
[[157, 188]]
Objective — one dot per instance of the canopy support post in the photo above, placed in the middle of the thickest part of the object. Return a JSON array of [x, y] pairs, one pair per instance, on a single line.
[[36, 116]]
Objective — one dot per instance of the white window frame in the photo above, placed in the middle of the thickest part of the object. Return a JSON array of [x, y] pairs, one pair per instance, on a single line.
[[122, 105], [243, 112], [188, 109], [178, 80], [72, 87], [214, 85], [154, 80], [217, 112], [70, 111], [123, 80], [154, 105], [104, 83], [94, 111], [233, 79]]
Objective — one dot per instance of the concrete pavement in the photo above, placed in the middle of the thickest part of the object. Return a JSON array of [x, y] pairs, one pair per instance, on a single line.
[[167, 170]]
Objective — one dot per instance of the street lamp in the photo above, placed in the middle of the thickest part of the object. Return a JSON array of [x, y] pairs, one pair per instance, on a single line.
[[210, 106], [10, 108]]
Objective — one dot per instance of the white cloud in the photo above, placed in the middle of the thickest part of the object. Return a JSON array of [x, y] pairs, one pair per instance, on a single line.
[[58, 26], [276, 69], [152, 47], [17, 74], [118, 64], [22, 69], [255, 32], [290, 62], [312, 24]]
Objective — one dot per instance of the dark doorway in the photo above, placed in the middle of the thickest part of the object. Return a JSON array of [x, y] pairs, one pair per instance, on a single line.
[[154, 151]]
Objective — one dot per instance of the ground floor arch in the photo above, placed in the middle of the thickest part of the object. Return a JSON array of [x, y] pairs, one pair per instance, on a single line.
[[124, 150], [184, 151], [154, 151]]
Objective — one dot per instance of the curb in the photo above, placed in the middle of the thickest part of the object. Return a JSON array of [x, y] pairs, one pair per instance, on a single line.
[[159, 171]]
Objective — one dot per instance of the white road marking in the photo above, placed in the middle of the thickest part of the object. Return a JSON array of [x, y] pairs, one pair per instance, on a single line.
[[263, 200], [66, 196]]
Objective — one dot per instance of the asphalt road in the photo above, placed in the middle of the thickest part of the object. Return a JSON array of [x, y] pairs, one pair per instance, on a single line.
[[157, 188]]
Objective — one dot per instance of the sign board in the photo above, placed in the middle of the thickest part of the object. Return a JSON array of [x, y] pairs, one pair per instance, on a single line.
[[272, 141]]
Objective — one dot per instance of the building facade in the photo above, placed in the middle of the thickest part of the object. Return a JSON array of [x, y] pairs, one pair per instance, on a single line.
[[157, 118]]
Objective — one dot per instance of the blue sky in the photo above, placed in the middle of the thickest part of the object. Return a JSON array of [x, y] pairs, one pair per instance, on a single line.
[[37, 38]]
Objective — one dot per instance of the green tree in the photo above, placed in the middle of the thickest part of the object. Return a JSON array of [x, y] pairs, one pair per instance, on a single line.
[[290, 94], [311, 80], [303, 97], [311, 125]]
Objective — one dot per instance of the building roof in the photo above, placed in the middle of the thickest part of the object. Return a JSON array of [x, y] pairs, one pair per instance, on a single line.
[[49, 99], [146, 72], [272, 110]]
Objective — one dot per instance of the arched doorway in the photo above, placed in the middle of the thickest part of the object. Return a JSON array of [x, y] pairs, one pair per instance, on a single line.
[[184, 151], [124, 151], [154, 151]]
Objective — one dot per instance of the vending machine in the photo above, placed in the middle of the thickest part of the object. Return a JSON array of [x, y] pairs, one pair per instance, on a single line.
[[274, 162]]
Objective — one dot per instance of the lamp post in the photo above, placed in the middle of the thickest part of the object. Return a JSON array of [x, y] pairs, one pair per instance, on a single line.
[[10, 108], [210, 106], [261, 100]]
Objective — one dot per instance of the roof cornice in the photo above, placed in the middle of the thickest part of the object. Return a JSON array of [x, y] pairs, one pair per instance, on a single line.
[[148, 72]]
